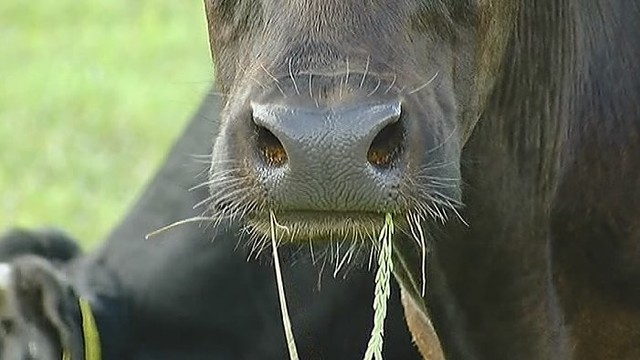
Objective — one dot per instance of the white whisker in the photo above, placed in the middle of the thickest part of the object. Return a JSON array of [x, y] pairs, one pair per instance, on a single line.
[[366, 70], [424, 85], [176, 224], [293, 80], [393, 82]]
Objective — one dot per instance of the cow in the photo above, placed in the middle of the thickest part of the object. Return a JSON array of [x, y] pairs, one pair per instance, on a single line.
[[188, 293], [504, 133]]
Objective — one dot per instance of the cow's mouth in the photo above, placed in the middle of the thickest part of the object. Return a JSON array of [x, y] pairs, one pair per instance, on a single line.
[[319, 226]]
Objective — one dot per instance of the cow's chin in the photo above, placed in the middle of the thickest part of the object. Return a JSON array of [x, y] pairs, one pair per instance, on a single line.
[[318, 226]]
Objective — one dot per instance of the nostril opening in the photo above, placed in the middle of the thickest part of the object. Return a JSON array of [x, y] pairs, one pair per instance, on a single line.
[[386, 146], [269, 147]]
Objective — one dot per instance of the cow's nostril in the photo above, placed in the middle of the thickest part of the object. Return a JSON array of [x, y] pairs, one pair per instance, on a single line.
[[386, 146], [269, 147]]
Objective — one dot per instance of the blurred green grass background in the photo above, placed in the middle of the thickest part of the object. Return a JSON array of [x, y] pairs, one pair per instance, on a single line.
[[92, 94]]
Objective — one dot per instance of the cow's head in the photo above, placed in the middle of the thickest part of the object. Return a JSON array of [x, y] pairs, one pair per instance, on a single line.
[[338, 111]]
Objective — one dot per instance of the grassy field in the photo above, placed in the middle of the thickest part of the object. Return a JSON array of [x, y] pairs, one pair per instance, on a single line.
[[92, 93]]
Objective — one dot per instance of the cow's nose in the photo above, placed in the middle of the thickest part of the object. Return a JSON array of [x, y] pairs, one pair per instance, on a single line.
[[367, 132], [335, 153]]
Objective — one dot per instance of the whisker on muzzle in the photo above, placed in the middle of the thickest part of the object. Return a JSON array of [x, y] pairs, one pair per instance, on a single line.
[[417, 233], [176, 224]]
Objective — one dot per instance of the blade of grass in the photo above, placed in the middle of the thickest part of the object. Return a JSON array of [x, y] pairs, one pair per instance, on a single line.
[[382, 291], [286, 321]]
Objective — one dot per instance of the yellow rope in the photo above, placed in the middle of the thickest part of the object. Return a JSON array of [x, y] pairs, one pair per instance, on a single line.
[[92, 347]]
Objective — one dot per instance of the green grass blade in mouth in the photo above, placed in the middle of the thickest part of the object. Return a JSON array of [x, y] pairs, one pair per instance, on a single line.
[[382, 291], [286, 321], [381, 296]]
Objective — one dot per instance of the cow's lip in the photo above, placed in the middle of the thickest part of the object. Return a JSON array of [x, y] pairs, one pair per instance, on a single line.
[[308, 225], [322, 215]]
